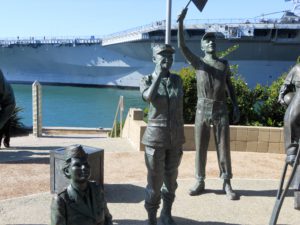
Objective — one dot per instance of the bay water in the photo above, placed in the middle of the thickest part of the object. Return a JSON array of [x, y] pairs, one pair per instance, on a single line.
[[67, 106]]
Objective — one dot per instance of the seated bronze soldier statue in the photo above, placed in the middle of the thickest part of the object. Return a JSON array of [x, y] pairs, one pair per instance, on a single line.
[[82, 202]]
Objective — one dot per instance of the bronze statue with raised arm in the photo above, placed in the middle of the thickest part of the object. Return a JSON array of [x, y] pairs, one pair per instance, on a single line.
[[213, 86]]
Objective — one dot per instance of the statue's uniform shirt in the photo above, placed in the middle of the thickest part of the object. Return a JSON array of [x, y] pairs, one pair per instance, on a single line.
[[292, 119], [165, 117], [163, 139], [74, 207], [212, 109], [7, 100]]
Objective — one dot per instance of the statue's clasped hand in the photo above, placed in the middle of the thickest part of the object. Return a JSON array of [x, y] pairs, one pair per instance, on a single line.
[[182, 15]]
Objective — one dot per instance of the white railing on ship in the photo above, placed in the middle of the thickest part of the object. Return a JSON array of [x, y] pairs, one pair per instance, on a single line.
[[51, 40], [230, 21], [161, 25], [140, 29]]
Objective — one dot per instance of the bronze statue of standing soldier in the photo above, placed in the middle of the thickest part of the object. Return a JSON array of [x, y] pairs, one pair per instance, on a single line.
[[164, 134]]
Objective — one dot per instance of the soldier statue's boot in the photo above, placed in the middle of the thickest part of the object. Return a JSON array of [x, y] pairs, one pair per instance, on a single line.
[[6, 142], [152, 220], [297, 200], [198, 188], [165, 215], [228, 190]]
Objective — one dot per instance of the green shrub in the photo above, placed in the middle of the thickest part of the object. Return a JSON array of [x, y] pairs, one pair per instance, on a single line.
[[270, 111], [17, 128], [188, 77], [116, 130]]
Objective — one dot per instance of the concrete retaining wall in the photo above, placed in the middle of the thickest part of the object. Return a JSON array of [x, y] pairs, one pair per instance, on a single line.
[[242, 138]]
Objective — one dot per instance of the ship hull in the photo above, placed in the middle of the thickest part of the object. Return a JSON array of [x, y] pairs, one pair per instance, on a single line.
[[78, 65]]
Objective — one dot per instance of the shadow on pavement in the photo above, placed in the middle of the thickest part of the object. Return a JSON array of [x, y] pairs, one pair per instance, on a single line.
[[23, 157], [250, 193], [34, 148], [124, 193], [178, 220], [262, 193], [73, 137]]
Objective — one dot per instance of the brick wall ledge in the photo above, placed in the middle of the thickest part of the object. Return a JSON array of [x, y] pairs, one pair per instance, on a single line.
[[242, 138]]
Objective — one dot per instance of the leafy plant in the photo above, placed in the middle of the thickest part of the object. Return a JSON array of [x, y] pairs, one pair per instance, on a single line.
[[270, 111], [17, 128], [248, 100], [116, 130], [188, 76], [226, 52]]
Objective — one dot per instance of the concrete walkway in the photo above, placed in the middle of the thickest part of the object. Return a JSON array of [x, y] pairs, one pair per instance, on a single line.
[[255, 179], [30, 147]]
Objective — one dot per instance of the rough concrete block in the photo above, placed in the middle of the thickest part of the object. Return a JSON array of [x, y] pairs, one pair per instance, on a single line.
[[264, 135], [281, 136], [262, 146], [281, 148], [275, 135], [233, 133], [241, 146], [251, 146], [189, 132], [274, 147], [233, 146], [242, 134], [252, 134], [212, 144]]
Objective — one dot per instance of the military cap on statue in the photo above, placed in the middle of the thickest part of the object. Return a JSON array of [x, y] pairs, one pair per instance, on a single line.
[[209, 35], [75, 151], [159, 48]]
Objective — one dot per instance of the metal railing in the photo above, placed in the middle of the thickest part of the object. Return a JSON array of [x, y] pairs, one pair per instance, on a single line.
[[50, 40], [120, 111]]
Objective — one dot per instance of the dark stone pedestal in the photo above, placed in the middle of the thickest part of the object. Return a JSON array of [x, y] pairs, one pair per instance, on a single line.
[[297, 200], [58, 181]]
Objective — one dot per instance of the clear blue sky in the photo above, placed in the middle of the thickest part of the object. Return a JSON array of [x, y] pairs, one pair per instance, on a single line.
[[100, 17]]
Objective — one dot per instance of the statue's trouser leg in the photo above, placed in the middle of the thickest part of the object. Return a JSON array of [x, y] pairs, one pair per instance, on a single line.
[[172, 162], [5, 132], [291, 140], [297, 199], [202, 136], [296, 185], [291, 132], [155, 163], [222, 140]]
